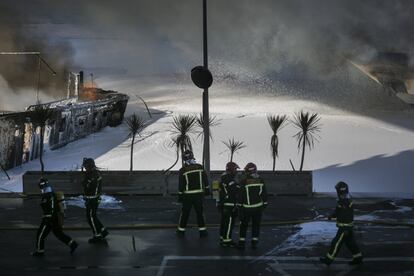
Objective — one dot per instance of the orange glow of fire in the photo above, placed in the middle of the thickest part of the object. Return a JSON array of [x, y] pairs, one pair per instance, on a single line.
[[89, 84]]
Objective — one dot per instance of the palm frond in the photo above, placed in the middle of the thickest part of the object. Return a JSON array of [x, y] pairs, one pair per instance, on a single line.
[[276, 122], [212, 122], [233, 145], [41, 114], [308, 126], [135, 124], [183, 126]]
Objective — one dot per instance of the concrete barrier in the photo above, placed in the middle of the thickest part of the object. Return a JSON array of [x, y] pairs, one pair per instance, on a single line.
[[157, 183]]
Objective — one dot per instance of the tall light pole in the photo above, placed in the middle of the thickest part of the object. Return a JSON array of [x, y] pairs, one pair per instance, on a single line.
[[203, 79], [206, 119]]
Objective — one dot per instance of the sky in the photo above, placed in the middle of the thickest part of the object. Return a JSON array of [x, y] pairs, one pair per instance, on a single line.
[[248, 40]]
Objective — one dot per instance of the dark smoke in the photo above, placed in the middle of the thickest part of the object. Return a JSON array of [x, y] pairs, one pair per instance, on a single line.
[[256, 41], [301, 38], [18, 33]]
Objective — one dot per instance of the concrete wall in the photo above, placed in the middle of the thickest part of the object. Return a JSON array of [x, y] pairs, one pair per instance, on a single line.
[[156, 183]]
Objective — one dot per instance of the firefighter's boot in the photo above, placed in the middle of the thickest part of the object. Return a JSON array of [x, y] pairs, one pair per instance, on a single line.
[[356, 261], [325, 260], [73, 247]]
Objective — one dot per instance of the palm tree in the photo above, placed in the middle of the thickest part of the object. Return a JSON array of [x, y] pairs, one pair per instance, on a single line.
[[308, 126], [234, 146], [276, 123], [40, 117], [212, 121], [135, 125], [183, 126]]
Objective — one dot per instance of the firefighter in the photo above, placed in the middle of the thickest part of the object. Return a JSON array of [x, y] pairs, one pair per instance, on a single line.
[[252, 201], [229, 189], [192, 186], [50, 220], [92, 186], [344, 214]]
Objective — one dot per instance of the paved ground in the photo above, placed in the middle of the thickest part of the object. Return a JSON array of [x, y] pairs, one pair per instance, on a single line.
[[285, 249]]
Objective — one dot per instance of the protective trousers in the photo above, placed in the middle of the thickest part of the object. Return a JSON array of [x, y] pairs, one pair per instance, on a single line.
[[93, 221], [44, 229], [189, 201], [228, 216], [247, 215], [344, 235]]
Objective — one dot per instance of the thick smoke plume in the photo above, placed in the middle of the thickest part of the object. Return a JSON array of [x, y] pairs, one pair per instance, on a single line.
[[261, 41], [20, 73]]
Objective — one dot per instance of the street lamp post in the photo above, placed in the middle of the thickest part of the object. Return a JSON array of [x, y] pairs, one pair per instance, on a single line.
[[203, 79], [206, 148]]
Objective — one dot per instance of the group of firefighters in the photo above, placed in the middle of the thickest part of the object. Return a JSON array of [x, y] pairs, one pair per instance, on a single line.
[[245, 197], [240, 196], [53, 210]]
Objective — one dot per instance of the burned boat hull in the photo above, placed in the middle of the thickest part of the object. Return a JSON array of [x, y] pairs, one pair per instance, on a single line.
[[74, 118]]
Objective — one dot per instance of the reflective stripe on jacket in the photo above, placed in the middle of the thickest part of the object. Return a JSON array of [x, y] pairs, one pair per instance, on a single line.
[[192, 179], [253, 192]]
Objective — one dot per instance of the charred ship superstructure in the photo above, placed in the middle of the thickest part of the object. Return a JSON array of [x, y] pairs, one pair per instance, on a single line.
[[393, 71], [86, 110]]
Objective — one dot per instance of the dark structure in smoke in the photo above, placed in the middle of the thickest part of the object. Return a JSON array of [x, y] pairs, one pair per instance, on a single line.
[[22, 72], [248, 40]]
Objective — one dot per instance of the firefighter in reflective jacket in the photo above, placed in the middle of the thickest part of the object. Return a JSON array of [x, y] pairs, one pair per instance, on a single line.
[[50, 220], [192, 186], [344, 214], [252, 200], [229, 189], [92, 186]]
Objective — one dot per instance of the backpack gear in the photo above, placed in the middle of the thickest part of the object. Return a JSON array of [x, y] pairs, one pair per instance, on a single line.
[[253, 192], [192, 179]]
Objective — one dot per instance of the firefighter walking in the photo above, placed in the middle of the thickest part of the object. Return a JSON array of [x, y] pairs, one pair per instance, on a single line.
[[229, 189], [344, 214], [92, 186], [252, 199], [50, 221], [192, 186]]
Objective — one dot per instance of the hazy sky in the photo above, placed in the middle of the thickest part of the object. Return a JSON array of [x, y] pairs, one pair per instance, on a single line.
[[294, 38]]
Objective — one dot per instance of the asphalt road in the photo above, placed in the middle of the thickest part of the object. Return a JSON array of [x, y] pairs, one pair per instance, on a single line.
[[285, 248]]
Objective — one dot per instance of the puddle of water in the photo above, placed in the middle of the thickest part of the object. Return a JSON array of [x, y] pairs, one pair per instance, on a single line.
[[107, 202]]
